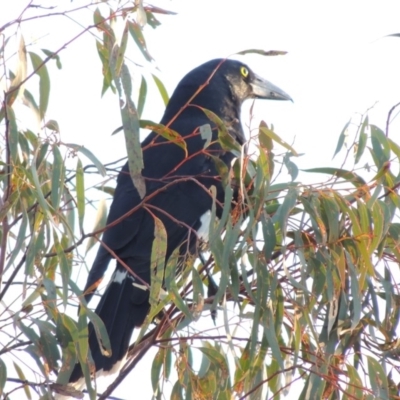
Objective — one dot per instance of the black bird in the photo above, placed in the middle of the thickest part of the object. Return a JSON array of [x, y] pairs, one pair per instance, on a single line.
[[176, 183]]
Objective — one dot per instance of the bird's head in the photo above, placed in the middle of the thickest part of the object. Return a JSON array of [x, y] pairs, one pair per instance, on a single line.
[[225, 79], [245, 84], [221, 86]]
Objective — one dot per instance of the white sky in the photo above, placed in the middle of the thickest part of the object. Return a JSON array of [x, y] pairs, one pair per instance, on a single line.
[[338, 64]]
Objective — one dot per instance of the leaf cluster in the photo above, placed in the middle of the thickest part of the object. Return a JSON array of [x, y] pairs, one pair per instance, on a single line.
[[302, 280]]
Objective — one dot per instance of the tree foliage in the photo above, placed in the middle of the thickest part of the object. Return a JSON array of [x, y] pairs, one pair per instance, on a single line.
[[308, 277]]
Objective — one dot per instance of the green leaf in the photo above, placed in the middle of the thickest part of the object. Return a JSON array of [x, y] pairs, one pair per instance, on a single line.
[[342, 138], [99, 223], [57, 178], [162, 90], [217, 359], [291, 166], [142, 97], [226, 140], [52, 125], [354, 389], [380, 147], [130, 122], [263, 52], [13, 135], [380, 224], [284, 210], [264, 130], [176, 393], [331, 211], [158, 252], [222, 169], [65, 267], [3, 375], [136, 32], [44, 82], [378, 379], [71, 329], [172, 286], [22, 377], [119, 51], [349, 176], [30, 101], [198, 290], [265, 140], [48, 344], [38, 189], [269, 332], [80, 193], [101, 332], [268, 235], [362, 142], [16, 84], [89, 155], [156, 368], [355, 292], [42, 153], [20, 242], [167, 133], [53, 56]]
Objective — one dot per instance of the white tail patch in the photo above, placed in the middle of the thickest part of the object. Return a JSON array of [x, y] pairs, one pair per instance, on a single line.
[[80, 383], [115, 368]]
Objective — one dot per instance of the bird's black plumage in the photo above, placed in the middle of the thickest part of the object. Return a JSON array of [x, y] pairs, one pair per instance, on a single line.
[[176, 183]]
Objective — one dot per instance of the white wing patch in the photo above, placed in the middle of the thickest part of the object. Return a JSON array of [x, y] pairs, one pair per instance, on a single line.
[[204, 228], [119, 276]]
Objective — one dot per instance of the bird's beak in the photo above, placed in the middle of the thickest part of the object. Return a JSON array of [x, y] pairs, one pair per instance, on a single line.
[[267, 90]]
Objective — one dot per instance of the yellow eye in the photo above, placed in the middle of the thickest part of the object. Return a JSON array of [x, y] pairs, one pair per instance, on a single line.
[[244, 71]]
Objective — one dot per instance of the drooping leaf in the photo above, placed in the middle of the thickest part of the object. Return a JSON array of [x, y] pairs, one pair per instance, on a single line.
[[349, 176], [342, 138], [80, 193], [264, 130], [167, 133], [362, 142], [44, 82], [162, 90], [136, 32], [263, 52], [89, 155]]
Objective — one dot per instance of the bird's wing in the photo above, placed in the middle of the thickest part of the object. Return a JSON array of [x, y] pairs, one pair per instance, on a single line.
[[183, 200], [117, 235]]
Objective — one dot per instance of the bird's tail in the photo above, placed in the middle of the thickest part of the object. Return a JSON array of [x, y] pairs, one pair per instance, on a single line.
[[122, 307]]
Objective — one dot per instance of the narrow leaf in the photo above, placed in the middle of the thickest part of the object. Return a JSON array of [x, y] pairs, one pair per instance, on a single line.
[[80, 193], [57, 178], [161, 88], [3, 375], [136, 32], [158, 251], [99, 223], [89, 155], [271, 134], [342, 138], [142, 97], [263, 52], [44, 82], [167, 133], [362, 141], [349, 176]]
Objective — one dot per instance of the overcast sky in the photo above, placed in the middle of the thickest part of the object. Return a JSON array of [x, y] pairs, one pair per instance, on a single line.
[[338, 64]]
